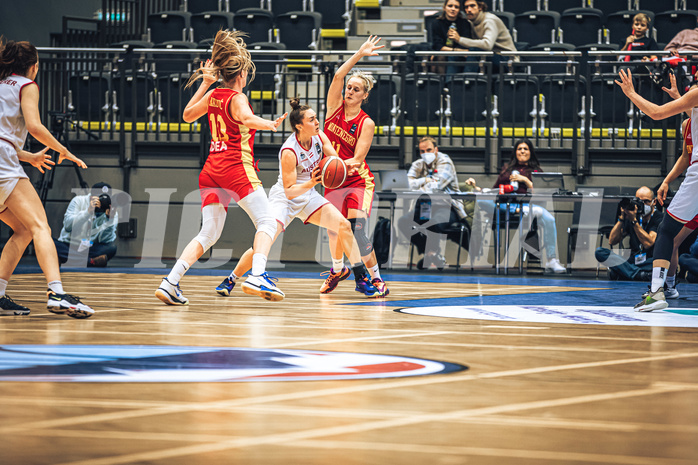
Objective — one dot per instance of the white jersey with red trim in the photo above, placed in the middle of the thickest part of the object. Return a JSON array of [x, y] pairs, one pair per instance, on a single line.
[[13, 129], [693, 135], [306, 159]]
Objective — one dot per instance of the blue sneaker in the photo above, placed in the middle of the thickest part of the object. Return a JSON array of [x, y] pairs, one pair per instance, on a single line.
[[366, 288], [263, 286], [226, 287]]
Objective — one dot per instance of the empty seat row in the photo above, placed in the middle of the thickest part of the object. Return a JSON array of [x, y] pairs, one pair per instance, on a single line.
[[297, 30], [607, 6]]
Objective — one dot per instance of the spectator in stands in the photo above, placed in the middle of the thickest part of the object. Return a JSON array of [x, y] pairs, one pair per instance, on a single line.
[[451, 18], [89, 228], [641, 228], [434, 173], [489, 32], [689, 262], [686, 40], [515, 177], [640, 39]]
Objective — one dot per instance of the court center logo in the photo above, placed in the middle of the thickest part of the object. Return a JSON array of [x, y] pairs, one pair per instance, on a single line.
[[576, 314], [163, 364]]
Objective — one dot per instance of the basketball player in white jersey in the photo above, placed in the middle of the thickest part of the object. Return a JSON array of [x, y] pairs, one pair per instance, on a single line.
[[294, 195], [683, 207], [20, 206]]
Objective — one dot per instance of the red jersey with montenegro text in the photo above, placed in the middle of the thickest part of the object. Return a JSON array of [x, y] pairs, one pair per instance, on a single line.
[[230, 164], [343, 135]]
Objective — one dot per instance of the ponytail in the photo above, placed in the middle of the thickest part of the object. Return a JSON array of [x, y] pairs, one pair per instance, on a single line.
[[16, 57]]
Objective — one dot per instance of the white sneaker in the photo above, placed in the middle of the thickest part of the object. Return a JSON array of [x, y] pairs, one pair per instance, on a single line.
[[654, 301], [671, 292], [263, 286], [553, 265], [170, 293]]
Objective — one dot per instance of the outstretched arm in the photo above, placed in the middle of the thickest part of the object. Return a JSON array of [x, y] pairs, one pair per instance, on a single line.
[[656, 112], [240, 110], [334, 95], [198, 104]]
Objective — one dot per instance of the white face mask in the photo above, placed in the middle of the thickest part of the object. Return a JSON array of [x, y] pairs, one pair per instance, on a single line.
[[648, 209], [428, 157]]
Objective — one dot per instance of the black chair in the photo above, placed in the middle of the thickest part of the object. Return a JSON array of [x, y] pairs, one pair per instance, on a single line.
[[536, 27], [609, 107], [669, 23], [519, 6], [90, 96], [516, 100], [257, 23], [561, 101], [168, 63], [299, 30], [580, 26], [335, 14], [281, 7], [422, 105], [507, 18], [173, 96], [237, 5], [611, 6], [619, 25], [468, 99], [169, 26], [562, 5], [542, 65], [428, 21], [267, 82], [200, 6], [206, 25], [586, 58], [382, 104], [137, 99]]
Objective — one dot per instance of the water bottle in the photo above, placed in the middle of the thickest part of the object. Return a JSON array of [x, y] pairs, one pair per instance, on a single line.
[[515, 184], [449, 42]]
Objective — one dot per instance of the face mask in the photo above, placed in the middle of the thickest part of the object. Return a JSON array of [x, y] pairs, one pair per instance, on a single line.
[[428, 157], [647, 210]]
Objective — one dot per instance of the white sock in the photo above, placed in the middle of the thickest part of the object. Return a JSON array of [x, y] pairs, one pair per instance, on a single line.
[[3, 287], [177, 271], [658, 278], [56, 286], [259, 264], [233, 277], [337, 265], [375, 272], [671, 281]]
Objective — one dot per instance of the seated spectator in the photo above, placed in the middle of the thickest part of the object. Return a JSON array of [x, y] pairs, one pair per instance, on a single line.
[[451, 18], [89, 229], [516, 176], [641, 228], [489, 32], [640, 39], [435, 175], [689, 263], [686, 40]]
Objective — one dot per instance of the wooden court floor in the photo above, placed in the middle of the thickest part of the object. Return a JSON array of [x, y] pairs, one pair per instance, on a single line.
[[533, 393]]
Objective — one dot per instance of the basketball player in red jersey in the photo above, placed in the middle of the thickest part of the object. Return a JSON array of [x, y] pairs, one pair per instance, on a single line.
[[350, 130], [229, 172]]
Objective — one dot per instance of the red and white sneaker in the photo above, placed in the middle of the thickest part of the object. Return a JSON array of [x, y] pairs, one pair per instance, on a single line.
[[381, 286], [333, 279]]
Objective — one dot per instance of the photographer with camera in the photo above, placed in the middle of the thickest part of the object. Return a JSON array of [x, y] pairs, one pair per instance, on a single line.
[[89, 229], [638, 220]]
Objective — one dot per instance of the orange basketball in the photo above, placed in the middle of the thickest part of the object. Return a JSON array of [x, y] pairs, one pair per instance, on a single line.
[[333, 172]]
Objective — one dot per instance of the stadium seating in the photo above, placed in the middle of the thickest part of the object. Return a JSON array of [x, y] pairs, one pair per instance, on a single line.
[[383, 104], [669, 23], [519, 6], [516, 101], [468, 99], [200, 6], [561, 97], [536, 27], [423, 91], [258, 24], [205, 25], [299, 30], [168, 26], [580, 26], [90, 96], [280, 7]]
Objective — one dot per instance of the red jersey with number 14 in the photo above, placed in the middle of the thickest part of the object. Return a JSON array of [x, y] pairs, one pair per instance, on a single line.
[[343, 135]]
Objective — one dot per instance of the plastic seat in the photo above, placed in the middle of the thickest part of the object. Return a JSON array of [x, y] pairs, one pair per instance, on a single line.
[[257, 23], [281, 7], [136, 100], [516, 100], [168, 26], [205, 25], [237, 5], [547, 64], [519, 6], [561, 103], [299, 30], [580, 26], [382, 105], [609, 106], [422, 105], [468, 99], [507, 18], [619, 24], [336, 15], [562, 5], [536, 27], [611, 6], [200, 6], [267, 81], [669, 23], [168, 63], [586, 58], [90, 96], [173, 96]]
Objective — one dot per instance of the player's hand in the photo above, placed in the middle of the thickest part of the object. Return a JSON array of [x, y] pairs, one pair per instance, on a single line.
[[316, 176], [662, 193], [208, 73], [38, 160], [370, 46], [673, 91], [69, 156], [277, 122], [626, 82], [352, 167]]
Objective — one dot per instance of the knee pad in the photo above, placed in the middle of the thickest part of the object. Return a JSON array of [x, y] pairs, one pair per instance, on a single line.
[[358, 226], [211, 225], [667, 231], [267, 225]]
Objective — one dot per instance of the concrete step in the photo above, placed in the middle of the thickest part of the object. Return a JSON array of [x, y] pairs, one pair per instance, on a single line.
[[407, 12]]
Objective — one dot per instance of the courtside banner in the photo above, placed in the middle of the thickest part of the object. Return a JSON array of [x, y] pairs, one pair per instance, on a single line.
[[171, 364]]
